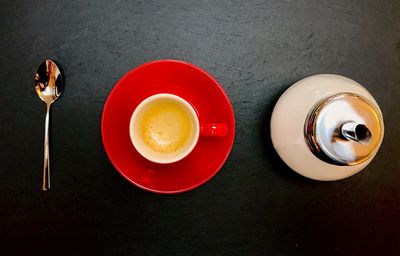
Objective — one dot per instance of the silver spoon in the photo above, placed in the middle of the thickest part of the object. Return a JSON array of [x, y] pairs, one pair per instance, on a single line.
[[48, 85]]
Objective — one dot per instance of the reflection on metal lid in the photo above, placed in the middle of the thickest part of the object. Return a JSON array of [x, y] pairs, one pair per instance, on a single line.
[[344, 129]]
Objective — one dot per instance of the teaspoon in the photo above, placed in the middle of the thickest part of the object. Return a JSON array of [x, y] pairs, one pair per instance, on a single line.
[[48, 86]]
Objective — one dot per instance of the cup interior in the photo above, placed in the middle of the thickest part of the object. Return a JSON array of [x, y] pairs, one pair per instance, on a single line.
[[143, 139]]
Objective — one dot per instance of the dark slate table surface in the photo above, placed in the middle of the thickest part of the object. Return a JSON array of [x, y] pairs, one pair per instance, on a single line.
[[255, 205]]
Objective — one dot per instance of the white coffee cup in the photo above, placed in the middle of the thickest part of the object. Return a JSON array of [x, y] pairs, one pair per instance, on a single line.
[[137, 134]]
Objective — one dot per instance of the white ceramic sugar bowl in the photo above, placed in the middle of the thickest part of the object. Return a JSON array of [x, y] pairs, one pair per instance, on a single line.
[[327, 127]]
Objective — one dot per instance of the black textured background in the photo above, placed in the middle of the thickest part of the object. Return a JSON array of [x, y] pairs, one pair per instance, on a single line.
[[255, 205]]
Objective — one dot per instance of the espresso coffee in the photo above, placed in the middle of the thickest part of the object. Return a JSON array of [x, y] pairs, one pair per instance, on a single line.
[[166, 126]]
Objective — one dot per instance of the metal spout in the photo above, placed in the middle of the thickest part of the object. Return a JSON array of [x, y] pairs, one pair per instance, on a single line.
[[356, 132]]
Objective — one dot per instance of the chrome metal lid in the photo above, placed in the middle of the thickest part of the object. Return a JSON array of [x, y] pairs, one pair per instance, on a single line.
[[344, 129]]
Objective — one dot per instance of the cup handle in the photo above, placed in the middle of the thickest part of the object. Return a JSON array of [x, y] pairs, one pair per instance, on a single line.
[[213, 130]]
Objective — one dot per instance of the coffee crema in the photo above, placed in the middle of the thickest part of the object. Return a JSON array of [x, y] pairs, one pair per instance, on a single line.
[[166, 127]]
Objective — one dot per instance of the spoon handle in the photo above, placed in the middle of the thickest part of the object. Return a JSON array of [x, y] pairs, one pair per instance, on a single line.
[[46, 160]]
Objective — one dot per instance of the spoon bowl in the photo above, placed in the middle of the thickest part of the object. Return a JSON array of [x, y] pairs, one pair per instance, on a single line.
[[48, 81]]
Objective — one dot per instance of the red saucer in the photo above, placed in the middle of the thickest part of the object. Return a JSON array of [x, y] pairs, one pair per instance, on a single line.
[[194, 85]]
